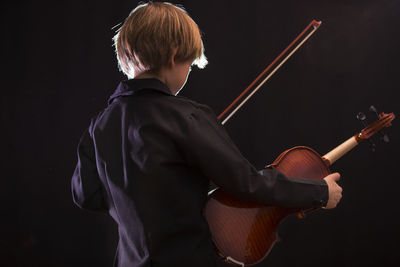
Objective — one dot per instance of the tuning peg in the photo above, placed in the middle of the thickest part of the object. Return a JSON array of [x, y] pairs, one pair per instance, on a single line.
[[374, 110], [361, 117], [385, 138]]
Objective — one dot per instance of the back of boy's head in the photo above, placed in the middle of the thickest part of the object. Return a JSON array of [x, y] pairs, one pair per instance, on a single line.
[[152, 33]]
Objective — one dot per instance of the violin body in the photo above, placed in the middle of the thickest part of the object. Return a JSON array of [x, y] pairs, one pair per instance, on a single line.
[[244, 232]]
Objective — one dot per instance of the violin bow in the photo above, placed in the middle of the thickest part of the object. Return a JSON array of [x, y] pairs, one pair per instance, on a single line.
[[315, 24]]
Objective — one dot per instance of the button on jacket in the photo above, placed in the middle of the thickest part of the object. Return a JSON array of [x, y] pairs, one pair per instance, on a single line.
[[147, 160]]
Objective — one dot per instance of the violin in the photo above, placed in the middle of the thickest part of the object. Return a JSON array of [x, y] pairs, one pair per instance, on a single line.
[[244, 232]]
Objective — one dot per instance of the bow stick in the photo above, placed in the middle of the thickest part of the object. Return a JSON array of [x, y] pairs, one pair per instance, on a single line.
[[315, 24]]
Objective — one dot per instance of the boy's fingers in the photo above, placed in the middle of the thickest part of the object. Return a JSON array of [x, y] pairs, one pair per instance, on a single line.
[[335, 176]]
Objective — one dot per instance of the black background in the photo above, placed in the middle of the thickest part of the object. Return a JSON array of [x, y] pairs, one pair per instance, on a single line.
[[59, 68]]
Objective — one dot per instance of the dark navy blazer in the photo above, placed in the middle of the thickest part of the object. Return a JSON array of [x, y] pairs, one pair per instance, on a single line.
[[147, 160]]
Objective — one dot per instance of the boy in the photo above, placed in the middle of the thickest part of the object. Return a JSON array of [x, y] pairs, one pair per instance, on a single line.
[[147, 159]]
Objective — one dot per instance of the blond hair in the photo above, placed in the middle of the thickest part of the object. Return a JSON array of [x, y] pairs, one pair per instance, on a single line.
[[152, 33]]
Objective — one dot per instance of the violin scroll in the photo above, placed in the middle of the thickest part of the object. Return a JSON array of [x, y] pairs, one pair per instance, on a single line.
[[385, 120]]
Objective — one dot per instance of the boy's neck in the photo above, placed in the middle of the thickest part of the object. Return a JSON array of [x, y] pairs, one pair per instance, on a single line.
[[147, 75], [174, 75]]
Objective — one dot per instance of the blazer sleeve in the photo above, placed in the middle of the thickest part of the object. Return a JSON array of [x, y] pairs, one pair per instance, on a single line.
[[211, 150], [87, 189]]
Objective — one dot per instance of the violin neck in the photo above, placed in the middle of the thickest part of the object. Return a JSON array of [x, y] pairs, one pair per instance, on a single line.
[[341, 150]]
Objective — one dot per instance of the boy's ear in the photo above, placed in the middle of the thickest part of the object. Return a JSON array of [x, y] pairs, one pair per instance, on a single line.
[[171, 61]]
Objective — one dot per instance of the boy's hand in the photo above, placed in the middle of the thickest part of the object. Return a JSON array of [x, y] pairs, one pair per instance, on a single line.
[[335, 191]]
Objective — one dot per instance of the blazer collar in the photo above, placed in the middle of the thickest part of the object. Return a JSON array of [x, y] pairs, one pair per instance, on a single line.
[[131, 87]]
